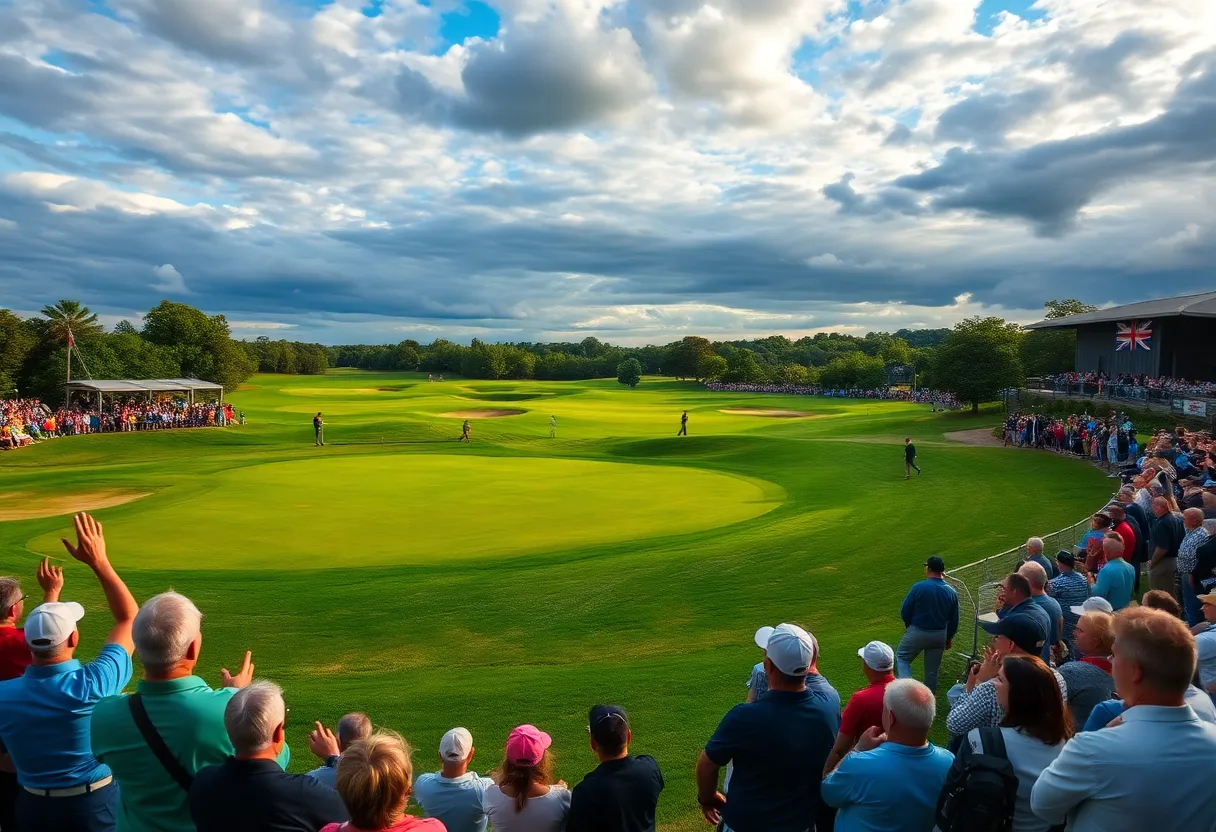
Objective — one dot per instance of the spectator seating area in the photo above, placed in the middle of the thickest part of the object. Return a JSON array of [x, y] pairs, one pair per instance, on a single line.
[[935, 397], [1131, 386], [1090, 710], [26, 421]]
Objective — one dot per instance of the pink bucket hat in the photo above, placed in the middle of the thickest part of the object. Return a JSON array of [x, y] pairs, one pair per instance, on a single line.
[[527, 745]]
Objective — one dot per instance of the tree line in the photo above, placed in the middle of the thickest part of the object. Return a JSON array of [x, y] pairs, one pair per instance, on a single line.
[[974, 360]]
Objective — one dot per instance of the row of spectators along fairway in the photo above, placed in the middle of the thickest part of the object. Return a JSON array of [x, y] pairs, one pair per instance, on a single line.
[[520, 578]]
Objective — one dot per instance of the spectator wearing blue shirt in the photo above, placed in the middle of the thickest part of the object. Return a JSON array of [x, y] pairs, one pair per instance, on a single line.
[[778, 745], [1037, 578], [1034, 552], [892, 778], [930, 614], [329, 746], [1070, 589], [1117, 579], [46, 714], [1154, 770], [453, 795], [1015, 598]]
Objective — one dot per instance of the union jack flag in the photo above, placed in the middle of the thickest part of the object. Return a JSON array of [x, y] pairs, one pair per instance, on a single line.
[[1137, 334]]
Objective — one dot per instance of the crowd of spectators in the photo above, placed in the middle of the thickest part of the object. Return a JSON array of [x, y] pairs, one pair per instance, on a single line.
[[1132, 385], [1087, 711], [945, 401], [1109, 441], [26, 421]]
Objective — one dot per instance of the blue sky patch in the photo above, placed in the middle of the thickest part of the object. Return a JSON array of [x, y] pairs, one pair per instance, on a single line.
[[475, 20], [986, 17]]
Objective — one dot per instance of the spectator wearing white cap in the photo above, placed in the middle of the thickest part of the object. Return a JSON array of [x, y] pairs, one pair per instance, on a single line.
[[526, 799], [893, 778], [778, 745], [329, 746], [45, 713], [454, 794], [864, 709], [1154, 770], [622, 794], [930, 616]]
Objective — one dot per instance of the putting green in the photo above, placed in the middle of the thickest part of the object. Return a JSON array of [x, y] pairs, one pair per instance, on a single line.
[[408, 509]]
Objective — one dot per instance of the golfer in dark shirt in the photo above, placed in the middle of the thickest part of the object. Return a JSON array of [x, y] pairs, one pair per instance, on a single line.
[[683, 424], [621, 795], [909, 458], [318, 428]]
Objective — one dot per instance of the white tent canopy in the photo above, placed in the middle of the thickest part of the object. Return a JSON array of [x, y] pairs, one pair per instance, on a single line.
[[145, 386]]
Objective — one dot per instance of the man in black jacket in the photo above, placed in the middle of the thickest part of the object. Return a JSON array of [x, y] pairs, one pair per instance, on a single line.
[[621, 795]]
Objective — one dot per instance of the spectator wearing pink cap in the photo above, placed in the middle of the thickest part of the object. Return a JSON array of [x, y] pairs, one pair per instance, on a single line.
[[865, 706], [778, 745], [526, 799]]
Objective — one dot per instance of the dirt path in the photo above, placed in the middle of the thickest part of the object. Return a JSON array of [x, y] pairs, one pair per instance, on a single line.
[[981, 437]]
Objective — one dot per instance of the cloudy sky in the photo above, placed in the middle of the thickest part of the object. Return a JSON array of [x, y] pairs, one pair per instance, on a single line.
[[639, 170]]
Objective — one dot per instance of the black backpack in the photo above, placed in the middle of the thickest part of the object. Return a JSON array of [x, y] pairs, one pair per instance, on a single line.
[[981, 789]]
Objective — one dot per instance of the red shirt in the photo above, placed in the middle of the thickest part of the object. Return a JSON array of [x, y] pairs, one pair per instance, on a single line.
[[14, 653], [865, 709], [406, 824], [1124, 530]]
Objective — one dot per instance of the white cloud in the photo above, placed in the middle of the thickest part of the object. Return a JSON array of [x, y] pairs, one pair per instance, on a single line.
[[169, 280]]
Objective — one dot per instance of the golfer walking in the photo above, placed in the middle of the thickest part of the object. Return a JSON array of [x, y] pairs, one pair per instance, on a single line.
[[909, 458], [552, 427], [318, 428], [683, 424], [465, 432]]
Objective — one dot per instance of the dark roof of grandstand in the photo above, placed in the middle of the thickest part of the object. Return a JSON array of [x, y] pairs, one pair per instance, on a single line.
[[143, 385], [1202, 305]]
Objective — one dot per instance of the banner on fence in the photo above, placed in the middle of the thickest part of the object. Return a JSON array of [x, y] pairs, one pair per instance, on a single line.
[[1194, 408]]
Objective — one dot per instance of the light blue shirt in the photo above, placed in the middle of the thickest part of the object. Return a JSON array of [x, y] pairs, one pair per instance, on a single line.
[[1152, 772], [326, 775], [892, 787], [456, 801], [47, 713], [1116, 582]]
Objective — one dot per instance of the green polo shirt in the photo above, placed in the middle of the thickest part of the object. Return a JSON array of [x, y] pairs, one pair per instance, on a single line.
[[189, 716]]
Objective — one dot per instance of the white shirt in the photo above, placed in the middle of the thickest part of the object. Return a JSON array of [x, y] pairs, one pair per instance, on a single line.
[[1153, 772], [546, 813], [1028, 757], [1206, 644]]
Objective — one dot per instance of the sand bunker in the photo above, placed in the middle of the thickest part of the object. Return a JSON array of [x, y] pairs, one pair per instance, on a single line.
[[778, 414], [25, 506], [978, 436], [482, 414]]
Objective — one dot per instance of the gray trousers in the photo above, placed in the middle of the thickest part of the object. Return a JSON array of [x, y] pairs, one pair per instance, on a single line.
[[915, 641]]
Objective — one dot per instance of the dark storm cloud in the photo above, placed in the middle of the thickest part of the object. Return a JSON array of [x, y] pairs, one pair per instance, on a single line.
[[1049, 183], [531, 83], [985, 119], [887, 203], [1106, 70]]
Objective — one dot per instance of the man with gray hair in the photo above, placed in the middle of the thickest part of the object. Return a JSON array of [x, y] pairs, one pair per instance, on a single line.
[[171, 710], [893, 777], [1034, 552], [1037, 578], [250, 792], [329, 747], [1188, 560]]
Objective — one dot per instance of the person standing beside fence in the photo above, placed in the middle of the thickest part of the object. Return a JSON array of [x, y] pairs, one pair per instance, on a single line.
[[1070, 588], [930, 614]]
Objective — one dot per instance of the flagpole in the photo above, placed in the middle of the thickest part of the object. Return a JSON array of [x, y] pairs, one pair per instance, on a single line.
[[71, 343]]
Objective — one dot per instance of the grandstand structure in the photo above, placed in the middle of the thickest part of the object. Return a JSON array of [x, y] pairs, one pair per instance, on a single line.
[[148, 387], [1166, 337]]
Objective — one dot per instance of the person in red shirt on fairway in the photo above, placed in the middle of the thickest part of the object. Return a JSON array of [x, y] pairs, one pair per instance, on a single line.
[[865, 707]]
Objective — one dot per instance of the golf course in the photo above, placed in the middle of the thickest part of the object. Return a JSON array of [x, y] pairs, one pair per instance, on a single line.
[[520, 578]]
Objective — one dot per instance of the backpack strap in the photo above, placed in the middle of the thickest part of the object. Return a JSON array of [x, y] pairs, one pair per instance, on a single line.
[[993, 742], [157, 743]]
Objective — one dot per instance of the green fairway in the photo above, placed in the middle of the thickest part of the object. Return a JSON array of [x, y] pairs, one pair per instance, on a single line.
[[520, 578]]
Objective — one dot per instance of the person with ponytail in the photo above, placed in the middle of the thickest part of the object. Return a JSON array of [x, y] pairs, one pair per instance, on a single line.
[[526, 799]]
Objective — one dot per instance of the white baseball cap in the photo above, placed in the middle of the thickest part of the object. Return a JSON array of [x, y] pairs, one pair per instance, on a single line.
[[877, 656], [50, 624], [1094, 603], [456, 745], [792, 649]]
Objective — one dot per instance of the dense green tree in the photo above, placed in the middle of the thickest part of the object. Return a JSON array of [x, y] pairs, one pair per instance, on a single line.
[[854, 370], [743, 368], [521, 364], [17, 341], [629, 372], [202, 345], [1049, 351], [125, 327], [684, 356], [1067, 306], [712, 367], [978, 360]]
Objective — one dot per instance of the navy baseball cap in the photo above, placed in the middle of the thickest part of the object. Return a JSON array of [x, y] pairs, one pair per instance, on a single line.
[[609, 725], [936, 564], [1025, 632]]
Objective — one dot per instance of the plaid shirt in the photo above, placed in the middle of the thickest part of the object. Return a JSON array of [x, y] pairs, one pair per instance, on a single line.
[[1070, 590], [979, 709], [1187, 559]]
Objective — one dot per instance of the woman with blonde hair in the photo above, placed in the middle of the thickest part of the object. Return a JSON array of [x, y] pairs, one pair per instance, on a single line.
[[1089, 680], [375, 780], [526, 799]]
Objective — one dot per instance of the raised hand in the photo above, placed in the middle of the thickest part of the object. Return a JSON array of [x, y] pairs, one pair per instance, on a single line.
[[90, 548], [50, 578], [322, 742], [243, 677], [871, 739]]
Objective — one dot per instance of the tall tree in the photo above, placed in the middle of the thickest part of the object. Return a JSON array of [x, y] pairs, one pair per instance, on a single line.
[[1048, 351], [978, 359], [69, 316], [629, 372], [17, 340]]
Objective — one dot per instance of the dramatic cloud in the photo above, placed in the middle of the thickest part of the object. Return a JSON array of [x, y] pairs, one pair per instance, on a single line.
[[637, 169]]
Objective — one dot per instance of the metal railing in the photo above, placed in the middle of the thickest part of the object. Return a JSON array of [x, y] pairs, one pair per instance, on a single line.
[[977, 585], [1113, 391]]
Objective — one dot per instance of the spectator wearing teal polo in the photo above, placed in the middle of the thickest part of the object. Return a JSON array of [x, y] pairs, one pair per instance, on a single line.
[[184, 713], [45, 713]]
